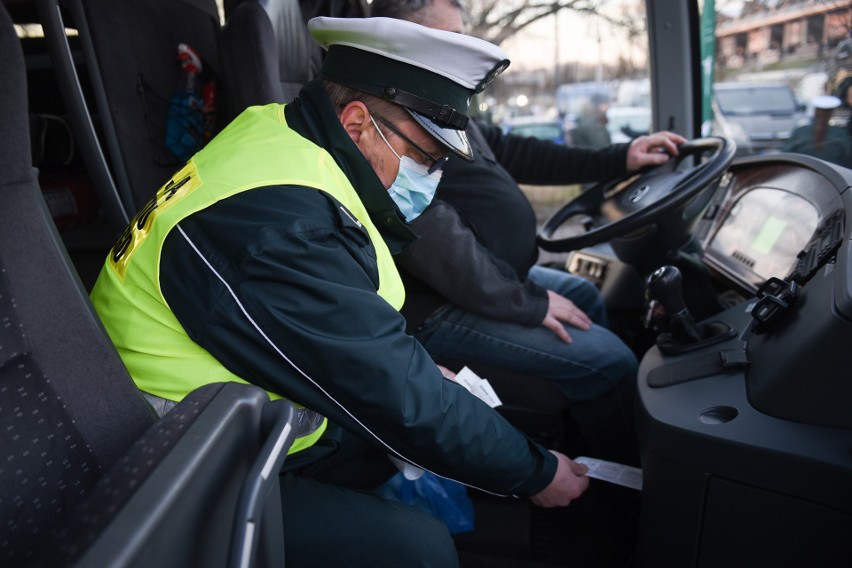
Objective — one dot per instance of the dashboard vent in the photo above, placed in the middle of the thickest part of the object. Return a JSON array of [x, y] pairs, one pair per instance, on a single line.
[[740, 257]]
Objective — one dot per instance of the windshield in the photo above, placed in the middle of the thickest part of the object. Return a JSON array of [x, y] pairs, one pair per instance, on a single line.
[[765, 66]]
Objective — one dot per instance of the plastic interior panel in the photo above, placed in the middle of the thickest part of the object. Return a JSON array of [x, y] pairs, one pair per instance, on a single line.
[[184, 513]]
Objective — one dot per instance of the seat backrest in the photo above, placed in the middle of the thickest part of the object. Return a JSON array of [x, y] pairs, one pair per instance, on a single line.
[[334, 8], [299, 57], [253, 61], [88, 475], [131, 55], [249, 57], [63, 388], [267, 53]]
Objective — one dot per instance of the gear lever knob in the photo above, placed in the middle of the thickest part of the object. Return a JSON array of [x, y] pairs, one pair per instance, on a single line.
[[664, 285]]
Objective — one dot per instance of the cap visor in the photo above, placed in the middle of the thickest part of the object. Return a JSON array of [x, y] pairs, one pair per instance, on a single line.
[[455, 140]]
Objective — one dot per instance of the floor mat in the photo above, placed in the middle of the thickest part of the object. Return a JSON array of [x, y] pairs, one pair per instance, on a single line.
[[596, 531]]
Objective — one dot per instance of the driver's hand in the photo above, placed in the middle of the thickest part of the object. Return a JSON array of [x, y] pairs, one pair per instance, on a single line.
[[561, 310], [653, 149]]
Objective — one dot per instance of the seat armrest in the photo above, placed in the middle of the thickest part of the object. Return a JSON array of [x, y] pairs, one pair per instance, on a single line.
[[183, 512]]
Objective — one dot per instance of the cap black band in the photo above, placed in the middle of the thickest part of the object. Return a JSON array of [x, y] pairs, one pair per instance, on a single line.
[[442, 115], [413, 87]]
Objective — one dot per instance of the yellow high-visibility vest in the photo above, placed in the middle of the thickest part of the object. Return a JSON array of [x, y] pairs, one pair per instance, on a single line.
[[257, 149]]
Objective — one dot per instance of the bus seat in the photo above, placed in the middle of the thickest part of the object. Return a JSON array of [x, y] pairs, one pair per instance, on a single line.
[[250, 59], [129, 50], [89, 475], [267, 53], [299, 57]]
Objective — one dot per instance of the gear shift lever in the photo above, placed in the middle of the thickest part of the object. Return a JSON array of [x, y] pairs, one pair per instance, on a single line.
[[664, 285]]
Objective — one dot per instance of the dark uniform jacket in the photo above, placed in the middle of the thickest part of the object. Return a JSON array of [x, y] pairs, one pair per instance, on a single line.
[[477, 239], [312, 327]]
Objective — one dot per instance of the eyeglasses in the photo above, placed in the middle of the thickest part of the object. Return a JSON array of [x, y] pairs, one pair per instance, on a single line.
[[437, 163]]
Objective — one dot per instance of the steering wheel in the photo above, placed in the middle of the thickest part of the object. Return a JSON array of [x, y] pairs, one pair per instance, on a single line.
[[617, 207]]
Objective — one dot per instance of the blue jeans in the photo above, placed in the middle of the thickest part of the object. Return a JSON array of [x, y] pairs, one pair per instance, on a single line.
[[595, 363]]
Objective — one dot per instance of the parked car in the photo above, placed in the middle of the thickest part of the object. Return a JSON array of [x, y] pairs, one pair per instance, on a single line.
[[537, 127], [759, 116], [627, 122], [633, 92], [573, 98]]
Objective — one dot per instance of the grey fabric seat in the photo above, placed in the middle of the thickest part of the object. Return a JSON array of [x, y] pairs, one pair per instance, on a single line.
[[266, 50], [250, 59], [88, 475], [129, 51], [267, 53]]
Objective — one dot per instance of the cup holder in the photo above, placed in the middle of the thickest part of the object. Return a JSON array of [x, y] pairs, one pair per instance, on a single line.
[[718, 415]]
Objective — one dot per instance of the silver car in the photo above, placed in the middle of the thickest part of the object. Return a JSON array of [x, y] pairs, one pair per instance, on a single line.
[[759, 116]]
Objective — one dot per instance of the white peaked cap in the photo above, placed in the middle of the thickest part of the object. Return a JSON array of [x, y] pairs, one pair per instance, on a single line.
[[432, 73]]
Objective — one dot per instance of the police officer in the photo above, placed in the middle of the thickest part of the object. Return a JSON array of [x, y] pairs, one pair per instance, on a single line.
[[820, 138], [267, 259]]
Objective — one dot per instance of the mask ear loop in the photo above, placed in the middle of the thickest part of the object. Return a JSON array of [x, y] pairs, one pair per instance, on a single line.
[[379, 130]]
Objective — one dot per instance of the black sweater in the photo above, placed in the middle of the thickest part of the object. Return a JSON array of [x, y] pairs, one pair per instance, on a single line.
[[478, 237]]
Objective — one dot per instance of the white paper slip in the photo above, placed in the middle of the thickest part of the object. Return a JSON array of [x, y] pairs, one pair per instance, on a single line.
[[479, 387], [617, 473], [410, 472]]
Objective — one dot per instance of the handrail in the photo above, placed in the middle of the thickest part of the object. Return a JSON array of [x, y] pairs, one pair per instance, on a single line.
[[115, 204], [259, 482]]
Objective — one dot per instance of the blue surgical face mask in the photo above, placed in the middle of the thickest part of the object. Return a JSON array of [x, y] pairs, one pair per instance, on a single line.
[[414, 187]]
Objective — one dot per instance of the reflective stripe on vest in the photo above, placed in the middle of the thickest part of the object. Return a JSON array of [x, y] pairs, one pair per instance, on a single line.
[[157, 351]]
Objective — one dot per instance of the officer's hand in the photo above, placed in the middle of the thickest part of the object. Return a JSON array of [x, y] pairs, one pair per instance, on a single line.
[[561, 310], [653, 149], [447, 373], [569, 483]]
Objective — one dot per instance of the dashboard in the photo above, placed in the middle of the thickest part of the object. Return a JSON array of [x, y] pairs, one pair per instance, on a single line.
[[767, 214], [764, 231], [746, 442]]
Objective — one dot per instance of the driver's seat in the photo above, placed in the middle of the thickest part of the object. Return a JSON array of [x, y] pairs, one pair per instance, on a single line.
[[533, 405]]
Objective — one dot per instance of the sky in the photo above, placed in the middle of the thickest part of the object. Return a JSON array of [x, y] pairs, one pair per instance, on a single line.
[[537, 46], [581, 38]]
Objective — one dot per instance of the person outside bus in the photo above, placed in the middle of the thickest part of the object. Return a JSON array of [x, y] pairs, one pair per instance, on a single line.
[[819, 138], [591, 131]]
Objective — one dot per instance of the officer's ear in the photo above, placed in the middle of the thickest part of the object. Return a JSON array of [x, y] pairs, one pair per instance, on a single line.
[[355, 118]]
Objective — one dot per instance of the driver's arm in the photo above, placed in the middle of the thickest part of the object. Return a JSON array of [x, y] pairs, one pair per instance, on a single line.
[[450, 260], [542, 162]]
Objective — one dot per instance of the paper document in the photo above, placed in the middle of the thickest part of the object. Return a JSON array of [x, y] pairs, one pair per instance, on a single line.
[[410, 472], [617, 473], [479, 387]]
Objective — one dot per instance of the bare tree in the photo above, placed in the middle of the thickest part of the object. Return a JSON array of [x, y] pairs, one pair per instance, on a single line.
[[498, 20]]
